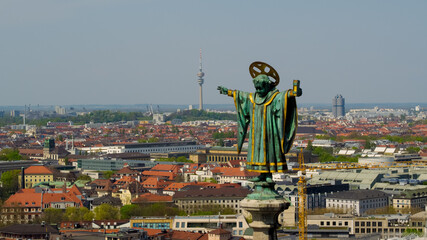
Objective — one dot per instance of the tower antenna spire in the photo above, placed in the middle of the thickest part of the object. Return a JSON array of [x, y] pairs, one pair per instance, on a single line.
[[200, 61]]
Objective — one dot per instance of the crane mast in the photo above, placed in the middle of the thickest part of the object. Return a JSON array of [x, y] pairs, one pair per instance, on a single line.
[[302, 202]]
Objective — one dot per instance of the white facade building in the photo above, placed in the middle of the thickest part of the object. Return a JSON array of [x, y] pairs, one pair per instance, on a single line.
[[146, 148], [236, 223]]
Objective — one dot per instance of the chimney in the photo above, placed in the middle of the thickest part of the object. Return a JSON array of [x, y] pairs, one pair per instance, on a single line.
[[64, 187], [22, 178]]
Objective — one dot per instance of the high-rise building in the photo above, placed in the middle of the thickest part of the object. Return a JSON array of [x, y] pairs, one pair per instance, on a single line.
[[60, 110], [338, 106], [200, 75]]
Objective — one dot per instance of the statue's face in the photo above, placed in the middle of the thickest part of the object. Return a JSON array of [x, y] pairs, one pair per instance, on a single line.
[[262, 85]]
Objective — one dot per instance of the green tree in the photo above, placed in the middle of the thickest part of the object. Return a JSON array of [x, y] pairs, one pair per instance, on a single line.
[[106, 211], [78, 214], [9, 154], [10, 182], [60, 138], [310, 146], [108, 174], [368, 144], [128, 211], [156, 209], [66, 161], [325, 155], [52, 215], [149, 140], [410, 231], [413, 149], [84, 177]]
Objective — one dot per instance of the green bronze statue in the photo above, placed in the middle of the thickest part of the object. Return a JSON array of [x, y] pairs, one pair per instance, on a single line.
[[270, 116]]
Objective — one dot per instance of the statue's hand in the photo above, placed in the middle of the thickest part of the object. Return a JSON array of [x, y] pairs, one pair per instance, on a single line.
[[222, 90]]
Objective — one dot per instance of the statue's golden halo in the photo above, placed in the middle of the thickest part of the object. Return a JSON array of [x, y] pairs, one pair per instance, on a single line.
[[257, 68]]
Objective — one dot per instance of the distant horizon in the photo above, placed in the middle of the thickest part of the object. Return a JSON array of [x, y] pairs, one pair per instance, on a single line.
[[219, 106]]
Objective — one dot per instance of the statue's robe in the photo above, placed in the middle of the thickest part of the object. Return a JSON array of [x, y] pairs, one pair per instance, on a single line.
[[272, 123]]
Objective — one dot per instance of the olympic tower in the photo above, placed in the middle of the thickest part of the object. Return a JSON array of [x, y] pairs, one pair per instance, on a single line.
[[200, 75]]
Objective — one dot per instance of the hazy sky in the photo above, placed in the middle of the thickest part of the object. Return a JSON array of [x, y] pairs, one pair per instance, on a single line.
[[134, 52]]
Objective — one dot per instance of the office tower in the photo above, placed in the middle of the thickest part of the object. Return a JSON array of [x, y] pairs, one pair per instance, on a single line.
[[338, 106]]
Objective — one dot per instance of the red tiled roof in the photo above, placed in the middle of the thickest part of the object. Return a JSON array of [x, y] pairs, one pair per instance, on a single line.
[[153, 182], [165, 167], [24, 198], [175, 186], [150, 232], [236, 172], [125, 179], [219, 231], [149, 197], [49, 198], [169, 175], [126, 170], [181, 235], [29, 151], [37, 170]]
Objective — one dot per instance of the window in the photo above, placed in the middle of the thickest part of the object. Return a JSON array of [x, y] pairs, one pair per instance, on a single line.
[[177, 225], [322, 223]]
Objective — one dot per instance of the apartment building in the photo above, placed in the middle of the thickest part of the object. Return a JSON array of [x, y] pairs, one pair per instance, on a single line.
[[357, 201], [36, 174], [410, 199], [193, 200], [388, 226]]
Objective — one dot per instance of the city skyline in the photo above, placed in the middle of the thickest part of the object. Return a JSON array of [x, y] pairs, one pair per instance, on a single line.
[[138, 52]]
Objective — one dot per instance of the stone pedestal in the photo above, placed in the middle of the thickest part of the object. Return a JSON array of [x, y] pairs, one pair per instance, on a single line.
[[264, 215]]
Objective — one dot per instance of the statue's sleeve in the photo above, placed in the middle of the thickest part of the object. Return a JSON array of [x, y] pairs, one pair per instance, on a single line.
[[242, 103], [286, 119]]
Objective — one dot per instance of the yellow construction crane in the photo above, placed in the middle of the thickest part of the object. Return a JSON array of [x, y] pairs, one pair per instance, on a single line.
[[302, 203]]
